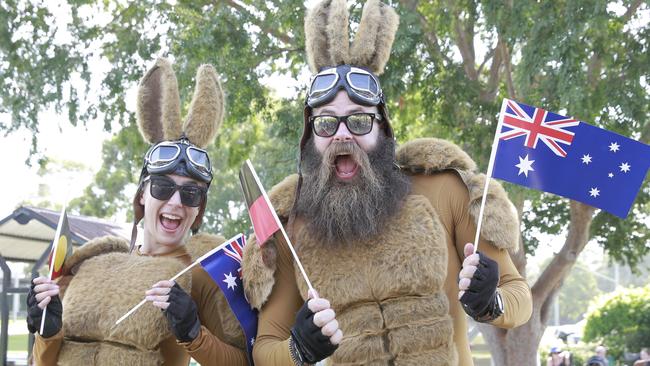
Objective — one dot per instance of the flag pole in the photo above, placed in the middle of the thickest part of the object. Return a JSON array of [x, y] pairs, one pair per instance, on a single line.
[[284, 233], [55, 245], [201, 258], [493, 153]]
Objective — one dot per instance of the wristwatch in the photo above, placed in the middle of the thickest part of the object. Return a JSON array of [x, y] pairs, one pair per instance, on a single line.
[[493, 311]]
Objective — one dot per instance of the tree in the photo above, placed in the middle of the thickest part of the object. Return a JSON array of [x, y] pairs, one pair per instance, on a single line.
[[620, 320], [585, 58]]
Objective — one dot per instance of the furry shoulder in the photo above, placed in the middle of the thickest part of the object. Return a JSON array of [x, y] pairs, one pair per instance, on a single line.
[[283, 194], [92, 248], [427, 156], [199, 244]]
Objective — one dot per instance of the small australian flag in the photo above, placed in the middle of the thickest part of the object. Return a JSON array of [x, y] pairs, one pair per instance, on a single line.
[[553, 153]]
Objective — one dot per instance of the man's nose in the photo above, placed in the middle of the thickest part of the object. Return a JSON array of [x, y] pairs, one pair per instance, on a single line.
[[343, 134]]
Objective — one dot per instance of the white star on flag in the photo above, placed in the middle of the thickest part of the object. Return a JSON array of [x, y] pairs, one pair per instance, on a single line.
[[613, 147], [230, 280], [525, 165], [594, 192], [252, 341], [586, 159], [611, 175], [625, 167]]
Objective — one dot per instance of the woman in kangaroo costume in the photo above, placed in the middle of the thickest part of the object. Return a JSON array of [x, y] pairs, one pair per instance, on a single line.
[[383, 233], [104, 278]]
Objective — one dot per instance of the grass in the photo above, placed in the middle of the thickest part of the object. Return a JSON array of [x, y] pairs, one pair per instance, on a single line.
[[18, 342]]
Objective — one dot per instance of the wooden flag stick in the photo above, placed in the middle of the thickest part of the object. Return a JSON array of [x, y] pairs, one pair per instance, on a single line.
[[55, 245], [199, 260], [284, 233], [493, 153]]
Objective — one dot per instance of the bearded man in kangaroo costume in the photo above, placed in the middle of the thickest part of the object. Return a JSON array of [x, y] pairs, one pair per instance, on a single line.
[[384, 235], [104, 278]]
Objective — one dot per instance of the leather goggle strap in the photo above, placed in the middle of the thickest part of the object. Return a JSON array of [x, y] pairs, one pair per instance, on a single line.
[[138, 213]]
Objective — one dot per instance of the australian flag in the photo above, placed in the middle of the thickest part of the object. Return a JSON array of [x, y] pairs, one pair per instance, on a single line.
[[224, 266], [553, 153]]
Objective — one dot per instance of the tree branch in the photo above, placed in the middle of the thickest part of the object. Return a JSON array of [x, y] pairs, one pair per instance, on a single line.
[[545, 310], [631, 10], [490, 92], [430, 36], [508, 69], [464, 37], [561, 264], [487, 58], [593, 70], [258, 22]]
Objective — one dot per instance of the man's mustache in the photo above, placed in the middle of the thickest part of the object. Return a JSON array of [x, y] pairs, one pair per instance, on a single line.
[[339, 148]]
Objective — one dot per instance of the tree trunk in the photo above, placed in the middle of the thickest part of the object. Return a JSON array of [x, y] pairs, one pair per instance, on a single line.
[[518, 346]]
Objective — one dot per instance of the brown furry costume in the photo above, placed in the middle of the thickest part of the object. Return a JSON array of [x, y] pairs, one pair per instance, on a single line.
[[395, 295], [89, 336]]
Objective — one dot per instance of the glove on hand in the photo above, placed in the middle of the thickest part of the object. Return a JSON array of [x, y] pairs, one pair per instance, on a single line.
[[182, 315], [481, 296], [53, 322], [310, 342]]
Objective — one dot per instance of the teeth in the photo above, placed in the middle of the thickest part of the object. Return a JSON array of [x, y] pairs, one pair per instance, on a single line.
[[171, 217]]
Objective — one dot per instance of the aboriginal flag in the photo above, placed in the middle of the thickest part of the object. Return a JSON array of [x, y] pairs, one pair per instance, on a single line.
[[61, 246], [265, 221]]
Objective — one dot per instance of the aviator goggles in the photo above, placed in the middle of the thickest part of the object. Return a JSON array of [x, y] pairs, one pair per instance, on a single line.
[[164, 157], [361, 85], [358, 124], [163, 188]]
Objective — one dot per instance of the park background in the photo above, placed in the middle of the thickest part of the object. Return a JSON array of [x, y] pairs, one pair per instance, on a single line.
[[69, 72]]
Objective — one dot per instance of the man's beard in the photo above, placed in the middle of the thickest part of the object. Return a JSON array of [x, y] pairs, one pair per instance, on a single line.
[[346, 211]]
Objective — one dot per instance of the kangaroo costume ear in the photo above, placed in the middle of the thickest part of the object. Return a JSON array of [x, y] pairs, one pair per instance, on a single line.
[[158, 108], [375, 36], [327, 36], [206, 110]]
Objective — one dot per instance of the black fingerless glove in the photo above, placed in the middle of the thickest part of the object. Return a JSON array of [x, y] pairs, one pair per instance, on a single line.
[[53, 316], [481, 301], [182, 315], [308, 344]]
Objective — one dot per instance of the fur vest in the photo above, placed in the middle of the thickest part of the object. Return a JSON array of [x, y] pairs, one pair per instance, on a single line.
[[106, 282], [103, 281], [388, 291]]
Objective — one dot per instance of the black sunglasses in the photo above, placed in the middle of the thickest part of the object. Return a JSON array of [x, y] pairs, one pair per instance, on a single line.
[[358, 124], [163, 188]]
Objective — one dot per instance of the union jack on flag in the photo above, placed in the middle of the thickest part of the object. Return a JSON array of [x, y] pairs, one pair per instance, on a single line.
[[235, 251], [537, 124]]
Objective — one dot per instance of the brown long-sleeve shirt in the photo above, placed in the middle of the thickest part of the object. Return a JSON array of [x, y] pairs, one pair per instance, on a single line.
[[450, 198], [207, 348]]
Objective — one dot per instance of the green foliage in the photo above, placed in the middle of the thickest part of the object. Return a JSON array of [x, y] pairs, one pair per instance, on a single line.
[[574, 57], [620, 320]]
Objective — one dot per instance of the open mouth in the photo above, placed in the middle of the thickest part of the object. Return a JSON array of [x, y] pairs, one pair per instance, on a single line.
[[170, 222], [346, 167]]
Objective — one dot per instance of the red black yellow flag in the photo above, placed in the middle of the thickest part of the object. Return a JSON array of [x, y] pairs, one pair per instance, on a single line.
[[61, 246], [265, 221]]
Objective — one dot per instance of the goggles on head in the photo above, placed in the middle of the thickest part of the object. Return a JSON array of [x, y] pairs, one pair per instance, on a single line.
[[165, 157], [361, 85]]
